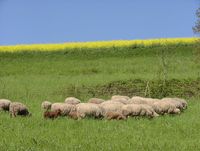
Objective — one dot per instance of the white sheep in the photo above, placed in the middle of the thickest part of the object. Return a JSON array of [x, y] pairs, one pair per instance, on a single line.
[[162, 107], [119, 97], [46, 105], [138, 110], [72, 100], [179, 103], [111, 106], [4, 104], [17, 108], [88, 109], [96, 100], [141, 100], [64, 107]]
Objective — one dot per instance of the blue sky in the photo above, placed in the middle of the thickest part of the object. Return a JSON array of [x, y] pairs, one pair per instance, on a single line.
[[58, 21]]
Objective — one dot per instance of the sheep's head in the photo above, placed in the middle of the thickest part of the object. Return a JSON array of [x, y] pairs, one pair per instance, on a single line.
[[46, 105]]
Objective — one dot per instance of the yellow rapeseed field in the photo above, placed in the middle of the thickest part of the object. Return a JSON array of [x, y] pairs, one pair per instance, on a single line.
[[99, 44]]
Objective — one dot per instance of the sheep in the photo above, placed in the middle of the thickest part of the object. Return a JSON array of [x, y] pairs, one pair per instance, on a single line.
[[72, 100], [115, 115], [17, 108], [88, 109], [64, 107], [52, 114], [119, 97], [96, 100], [138, 110], [141, 100], [131, 110], [4, 104], [162, 107], [46, 105], [179, 103], [148, 111], [111, 106]]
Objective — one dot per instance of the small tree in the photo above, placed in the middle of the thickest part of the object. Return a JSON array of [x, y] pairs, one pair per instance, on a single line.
[[196, 29]]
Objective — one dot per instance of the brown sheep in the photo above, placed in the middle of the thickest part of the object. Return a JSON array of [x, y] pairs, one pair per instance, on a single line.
[[115, 115], [52, 114]]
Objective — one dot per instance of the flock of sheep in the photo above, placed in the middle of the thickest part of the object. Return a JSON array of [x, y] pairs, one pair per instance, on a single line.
[[118, 107]]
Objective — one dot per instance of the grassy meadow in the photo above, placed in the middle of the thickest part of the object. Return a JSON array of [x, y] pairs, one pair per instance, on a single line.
[[151, 68]]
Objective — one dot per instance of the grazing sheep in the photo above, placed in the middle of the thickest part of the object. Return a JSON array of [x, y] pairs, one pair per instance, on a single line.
[[148, 111], [4, 104], [162, 107], [179, 103], [72, 100], [73, 115], [111, 106], [17, 108], [46, 105], [141, 100], [96, 100], [52, 114], [88, 109], [119, 97], [64, 107], [115, 115], [183, 102], [139, 110]]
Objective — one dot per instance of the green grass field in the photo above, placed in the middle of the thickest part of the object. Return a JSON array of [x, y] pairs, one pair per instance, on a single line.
[[32, 77]]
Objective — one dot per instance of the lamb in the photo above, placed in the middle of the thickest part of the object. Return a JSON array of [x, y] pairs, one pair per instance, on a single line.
[[4, 104], [88, 109], [72, 100], [139, 110], [96, 100], [179, 103], [162, 107], [119, 97], [64, 107], [17, 108], [111, 106], [52, 114], [46, 105], [115, 115]]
